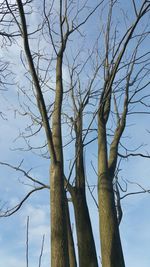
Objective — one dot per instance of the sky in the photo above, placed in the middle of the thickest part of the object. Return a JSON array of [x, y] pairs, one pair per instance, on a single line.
[[134, 228]]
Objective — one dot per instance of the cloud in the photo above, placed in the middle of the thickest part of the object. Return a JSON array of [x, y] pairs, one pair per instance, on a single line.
[[10, 261], [13, 237]]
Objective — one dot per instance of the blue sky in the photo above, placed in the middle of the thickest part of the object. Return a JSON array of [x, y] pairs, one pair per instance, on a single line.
[[136, 219]]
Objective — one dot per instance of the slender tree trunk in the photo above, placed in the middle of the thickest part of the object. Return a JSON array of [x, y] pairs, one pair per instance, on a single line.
[[59, 240], [86, 244], [59, 248], [71, 248]]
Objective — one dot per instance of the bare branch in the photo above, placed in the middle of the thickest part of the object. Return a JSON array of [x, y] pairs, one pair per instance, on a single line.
[[41, 253], [27, 243], [25, 173], [40, 98], [13, 210]]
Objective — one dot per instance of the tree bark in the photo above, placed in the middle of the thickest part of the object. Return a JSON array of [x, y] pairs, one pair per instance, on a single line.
[[59, 240], [86, 244], [111, 249], [59, 247]]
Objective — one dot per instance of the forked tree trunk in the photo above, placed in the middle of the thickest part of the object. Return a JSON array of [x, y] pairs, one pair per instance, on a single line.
[[86, 244], [59, 248], [111, 249]]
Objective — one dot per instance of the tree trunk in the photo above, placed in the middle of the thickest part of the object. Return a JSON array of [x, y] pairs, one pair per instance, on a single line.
[[71, 249], [86, 244], [59, 247], [59, 240], [111, 249]]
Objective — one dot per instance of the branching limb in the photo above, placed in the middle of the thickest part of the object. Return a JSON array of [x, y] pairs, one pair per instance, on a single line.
[[25, 173], [39, 95], [133, 155], [143, 190], [13, 210]]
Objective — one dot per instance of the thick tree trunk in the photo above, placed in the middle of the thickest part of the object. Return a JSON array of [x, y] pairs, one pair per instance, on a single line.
[[111, 249], [86, 244], [71, 248], [59, 248]]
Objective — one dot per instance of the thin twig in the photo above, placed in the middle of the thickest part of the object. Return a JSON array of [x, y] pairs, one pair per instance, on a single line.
[[27, 243], [41, 253]]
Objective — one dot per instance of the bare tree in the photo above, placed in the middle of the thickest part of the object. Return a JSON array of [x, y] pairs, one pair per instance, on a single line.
[[86, 244], [52, 124], [114, 86], [115, 55]]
